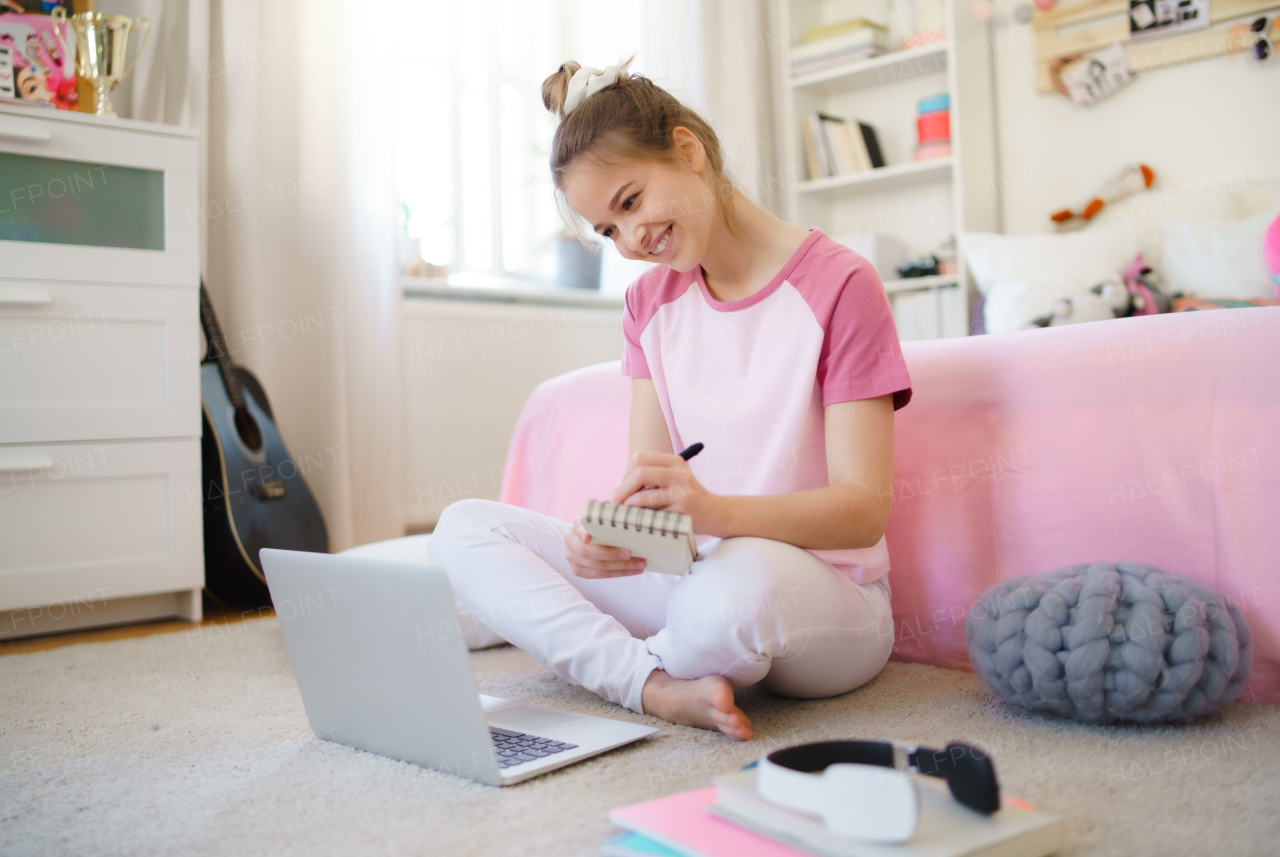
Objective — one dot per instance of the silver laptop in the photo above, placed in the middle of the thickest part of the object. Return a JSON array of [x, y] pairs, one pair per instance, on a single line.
[[378, 653]]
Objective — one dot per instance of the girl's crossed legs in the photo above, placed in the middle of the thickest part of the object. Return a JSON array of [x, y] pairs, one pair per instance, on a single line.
[[750, 610]]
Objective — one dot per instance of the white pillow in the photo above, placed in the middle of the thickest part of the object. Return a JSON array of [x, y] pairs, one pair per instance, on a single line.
[[1216, 258], [1021, 276]]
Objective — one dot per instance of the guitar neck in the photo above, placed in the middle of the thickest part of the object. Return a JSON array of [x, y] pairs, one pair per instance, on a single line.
[[218, 348]]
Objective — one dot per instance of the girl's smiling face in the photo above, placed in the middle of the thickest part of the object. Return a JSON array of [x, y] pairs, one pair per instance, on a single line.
[[652, 211]]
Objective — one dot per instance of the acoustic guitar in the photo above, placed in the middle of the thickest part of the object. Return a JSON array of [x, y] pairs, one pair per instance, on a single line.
[[255, 495]]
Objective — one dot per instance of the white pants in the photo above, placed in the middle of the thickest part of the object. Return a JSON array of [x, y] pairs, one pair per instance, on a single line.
[[751, 610]]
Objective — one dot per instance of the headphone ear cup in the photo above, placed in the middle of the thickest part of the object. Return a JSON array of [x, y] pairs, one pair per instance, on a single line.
[[870, 803], [972, 778]]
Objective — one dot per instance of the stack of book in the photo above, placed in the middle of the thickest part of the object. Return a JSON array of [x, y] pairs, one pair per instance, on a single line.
[[836, 44], [730, 819], [835, 146], [933, 127]]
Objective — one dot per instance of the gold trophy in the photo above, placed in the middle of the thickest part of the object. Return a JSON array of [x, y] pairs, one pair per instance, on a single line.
[[102, 42]]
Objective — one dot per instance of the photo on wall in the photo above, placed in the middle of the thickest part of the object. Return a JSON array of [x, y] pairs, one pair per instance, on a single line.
[[1100, 74], [1149, 18]]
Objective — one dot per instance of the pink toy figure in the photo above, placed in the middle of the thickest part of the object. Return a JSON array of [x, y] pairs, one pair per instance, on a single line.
[[1146, 301], [1271, 251]]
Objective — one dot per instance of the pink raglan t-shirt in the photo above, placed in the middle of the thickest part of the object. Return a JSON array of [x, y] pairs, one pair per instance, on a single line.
[[749, 378]]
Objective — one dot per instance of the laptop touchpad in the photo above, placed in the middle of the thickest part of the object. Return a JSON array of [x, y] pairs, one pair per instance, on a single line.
[[537, 721]]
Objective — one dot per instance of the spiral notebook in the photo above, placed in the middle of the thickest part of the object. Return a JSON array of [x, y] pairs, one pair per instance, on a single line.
[[663, 539]]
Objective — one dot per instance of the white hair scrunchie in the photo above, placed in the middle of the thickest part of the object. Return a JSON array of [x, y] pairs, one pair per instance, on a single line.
[[587, 81]]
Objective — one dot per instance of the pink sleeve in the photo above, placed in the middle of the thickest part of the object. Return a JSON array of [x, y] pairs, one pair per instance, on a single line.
[[633, 361], [861, 357]]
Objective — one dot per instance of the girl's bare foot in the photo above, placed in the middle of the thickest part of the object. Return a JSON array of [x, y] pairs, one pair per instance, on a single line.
[[706, 702]]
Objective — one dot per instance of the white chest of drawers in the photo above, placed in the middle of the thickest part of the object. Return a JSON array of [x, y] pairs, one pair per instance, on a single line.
[[100, 501]]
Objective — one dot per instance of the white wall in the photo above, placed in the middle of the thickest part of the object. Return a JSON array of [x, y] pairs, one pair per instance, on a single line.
[[1210, 129]]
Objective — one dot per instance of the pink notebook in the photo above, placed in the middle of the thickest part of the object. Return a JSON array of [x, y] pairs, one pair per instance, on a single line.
[[681, 822]]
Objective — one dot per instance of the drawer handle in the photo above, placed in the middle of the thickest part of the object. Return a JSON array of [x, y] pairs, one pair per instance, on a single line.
[[22, 135], [31, 295], [24, 461]]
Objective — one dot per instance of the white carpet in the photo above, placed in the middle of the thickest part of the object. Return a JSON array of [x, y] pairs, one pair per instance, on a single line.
[[197, 743]]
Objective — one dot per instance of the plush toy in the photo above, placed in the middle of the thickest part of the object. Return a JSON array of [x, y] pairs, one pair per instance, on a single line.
[[1131, 179], [1271, 251], [1137, 293], [1105, 300], [1144, 287]]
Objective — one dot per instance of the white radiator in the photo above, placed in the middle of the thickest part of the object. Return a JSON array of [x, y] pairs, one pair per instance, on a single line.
[[469, 366]]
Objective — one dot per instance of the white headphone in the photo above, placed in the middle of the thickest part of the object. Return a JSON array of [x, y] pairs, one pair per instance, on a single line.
[[863, 789]]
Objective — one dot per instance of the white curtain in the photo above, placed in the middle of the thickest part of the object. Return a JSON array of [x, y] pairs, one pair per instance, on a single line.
[[298, 221], [743, 68]]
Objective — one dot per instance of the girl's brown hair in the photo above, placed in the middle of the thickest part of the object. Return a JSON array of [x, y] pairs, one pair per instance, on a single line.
[[634, 119]]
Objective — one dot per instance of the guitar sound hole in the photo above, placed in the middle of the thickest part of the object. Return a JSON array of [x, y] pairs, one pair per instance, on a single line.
[[247, 428]]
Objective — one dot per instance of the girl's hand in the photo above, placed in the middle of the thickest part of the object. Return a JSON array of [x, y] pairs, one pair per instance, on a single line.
[[595, 561], [661, 480]]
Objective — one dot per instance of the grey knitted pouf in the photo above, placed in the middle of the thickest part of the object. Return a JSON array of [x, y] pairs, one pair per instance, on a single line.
[[1106, 642]]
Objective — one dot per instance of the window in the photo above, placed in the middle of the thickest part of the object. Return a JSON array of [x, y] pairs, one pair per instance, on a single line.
[[473, 139]]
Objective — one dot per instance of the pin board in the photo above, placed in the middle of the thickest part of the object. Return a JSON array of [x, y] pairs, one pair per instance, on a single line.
[[1080, 27]]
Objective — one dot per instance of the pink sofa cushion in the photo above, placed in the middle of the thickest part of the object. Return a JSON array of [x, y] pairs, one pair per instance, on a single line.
[[1150, 439]]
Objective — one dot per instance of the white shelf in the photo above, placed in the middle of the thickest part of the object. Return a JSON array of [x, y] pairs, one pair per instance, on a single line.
[[885, 68], [919, 203], [911, 284], [17, 108], [895, 175]]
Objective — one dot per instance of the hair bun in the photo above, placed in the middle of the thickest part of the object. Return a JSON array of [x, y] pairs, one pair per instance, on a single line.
[[556, 87]]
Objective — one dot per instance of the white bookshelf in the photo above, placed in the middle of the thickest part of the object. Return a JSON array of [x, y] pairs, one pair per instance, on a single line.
[[887, 177], [919, 202]]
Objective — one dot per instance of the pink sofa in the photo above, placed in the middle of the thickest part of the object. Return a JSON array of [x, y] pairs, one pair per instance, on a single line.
[[1153, 439]]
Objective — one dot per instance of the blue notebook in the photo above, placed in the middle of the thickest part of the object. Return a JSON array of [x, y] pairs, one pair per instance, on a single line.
[[628, 844]]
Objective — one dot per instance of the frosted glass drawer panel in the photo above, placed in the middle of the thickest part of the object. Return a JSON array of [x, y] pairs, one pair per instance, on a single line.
[[99, 521], [98, 201], [92, 362], [56, 201]]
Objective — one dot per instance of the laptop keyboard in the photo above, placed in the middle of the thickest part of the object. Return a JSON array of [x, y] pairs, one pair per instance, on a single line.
[[515, 748]]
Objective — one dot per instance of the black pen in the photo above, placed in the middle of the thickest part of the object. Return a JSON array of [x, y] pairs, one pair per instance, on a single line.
[[691, 451]]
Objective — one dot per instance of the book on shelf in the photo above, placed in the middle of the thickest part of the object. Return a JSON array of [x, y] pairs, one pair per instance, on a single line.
[[836, 28], [805, 63], [872, 144], [850, 154], [810, 146], [834, 60], [838, 146], [817, 146], [834, 44], [844, 47], [832, 136]]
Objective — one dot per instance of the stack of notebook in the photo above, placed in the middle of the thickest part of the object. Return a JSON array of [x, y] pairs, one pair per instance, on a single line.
[[837, 44], [730, 819]]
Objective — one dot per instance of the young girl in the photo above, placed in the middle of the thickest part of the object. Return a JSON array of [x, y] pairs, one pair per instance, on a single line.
[[771, 344]]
